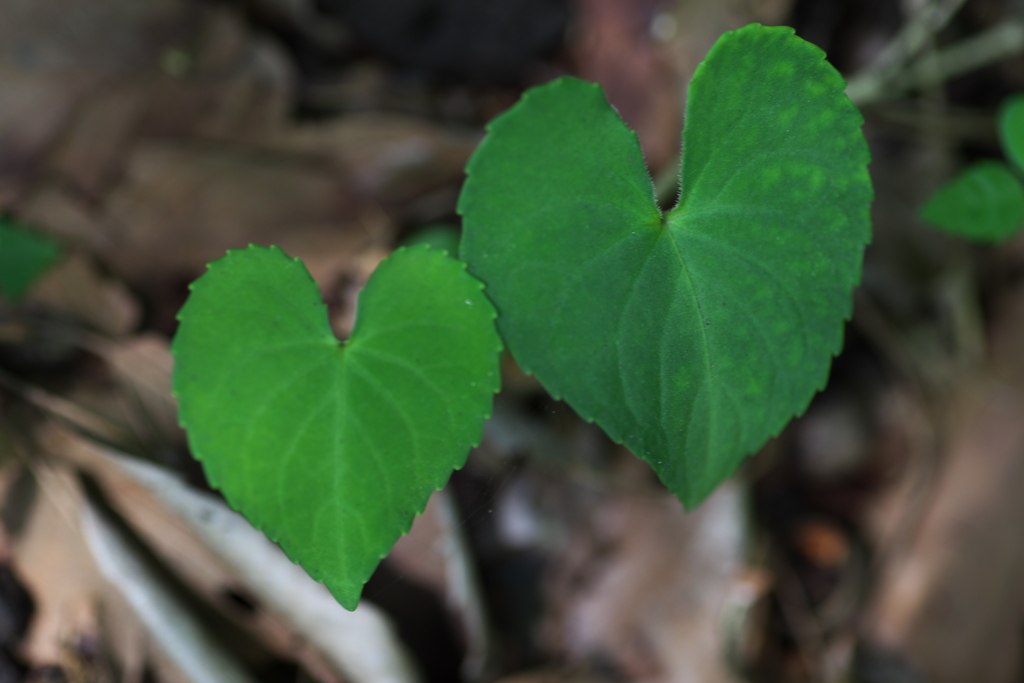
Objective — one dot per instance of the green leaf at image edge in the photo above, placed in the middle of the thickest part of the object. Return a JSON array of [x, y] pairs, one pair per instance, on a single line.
[[691, 337], [1011, 129], [24, 256], [985, 202], [330, 448]]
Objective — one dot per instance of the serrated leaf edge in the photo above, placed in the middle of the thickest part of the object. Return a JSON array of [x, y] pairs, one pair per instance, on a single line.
[[261, 523]]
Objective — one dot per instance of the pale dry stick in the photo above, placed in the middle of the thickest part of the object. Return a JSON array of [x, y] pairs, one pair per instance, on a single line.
[[999, 42], [917, 33], [176, 632], [46, 474], [464, 590], [179, 634], [361, 644]]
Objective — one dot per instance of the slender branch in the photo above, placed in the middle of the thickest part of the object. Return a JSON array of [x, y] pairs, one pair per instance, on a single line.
[[999, 42], [915, 36]]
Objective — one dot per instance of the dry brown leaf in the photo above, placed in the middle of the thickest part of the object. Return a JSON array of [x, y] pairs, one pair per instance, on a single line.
[[165, 165], [952, 602], [951, 595], [109, 37], [648, 587], [394, 159], [190, 647], [68, 631], [234, 87], [142, 368], [181, 206], [172, 541], [230, 564], [53, 53], [33, 110], [57, 569], [75, 287], [64, 216]]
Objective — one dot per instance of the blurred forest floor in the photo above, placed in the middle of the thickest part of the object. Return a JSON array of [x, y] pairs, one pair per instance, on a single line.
[[879, 539]]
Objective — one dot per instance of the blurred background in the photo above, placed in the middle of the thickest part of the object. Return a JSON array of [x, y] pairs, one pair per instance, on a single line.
[[879, 539]]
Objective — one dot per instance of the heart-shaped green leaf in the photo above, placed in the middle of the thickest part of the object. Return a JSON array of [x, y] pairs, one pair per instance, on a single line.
[[332, 448], [24, 255], [1011, 129], [984, 202], [690, 337]]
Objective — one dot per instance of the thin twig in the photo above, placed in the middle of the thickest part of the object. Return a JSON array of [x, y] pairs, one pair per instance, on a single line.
[[997, 43], [917, 33]]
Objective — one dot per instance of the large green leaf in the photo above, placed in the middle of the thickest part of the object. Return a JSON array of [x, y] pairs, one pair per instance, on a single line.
[[24, 255], [694, 336], [984, 202], [332, 448], [1011, 129]]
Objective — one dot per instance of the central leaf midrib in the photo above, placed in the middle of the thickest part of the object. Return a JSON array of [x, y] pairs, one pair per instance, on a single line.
[[667, 233]]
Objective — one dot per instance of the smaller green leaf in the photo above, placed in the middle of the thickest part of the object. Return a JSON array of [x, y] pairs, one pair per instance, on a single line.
[[332, 448], [24, 256], [1011, 129], [985, 202]]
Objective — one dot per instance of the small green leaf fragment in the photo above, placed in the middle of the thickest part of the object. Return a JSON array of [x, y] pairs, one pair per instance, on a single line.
[[985, 202], [332, 448], [1011, 129], [24, 256]]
